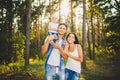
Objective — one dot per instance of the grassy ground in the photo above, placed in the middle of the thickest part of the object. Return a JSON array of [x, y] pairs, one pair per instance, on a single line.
[[101, 70], [96, 70]]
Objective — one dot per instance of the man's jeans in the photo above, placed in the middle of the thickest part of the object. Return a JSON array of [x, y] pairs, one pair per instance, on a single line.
[[52, 73], [71, 75]]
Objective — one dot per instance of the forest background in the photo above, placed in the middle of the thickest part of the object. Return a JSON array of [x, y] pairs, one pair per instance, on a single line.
[[23, 28]]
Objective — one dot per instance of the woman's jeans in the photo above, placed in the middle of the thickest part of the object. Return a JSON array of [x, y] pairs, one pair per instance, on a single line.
[[52, 73], [71, 75]]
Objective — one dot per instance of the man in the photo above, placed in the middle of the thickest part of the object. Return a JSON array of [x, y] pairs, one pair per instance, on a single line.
[[54, 64]]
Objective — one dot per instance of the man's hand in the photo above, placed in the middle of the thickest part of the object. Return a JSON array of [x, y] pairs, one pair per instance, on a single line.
[[56, 46]]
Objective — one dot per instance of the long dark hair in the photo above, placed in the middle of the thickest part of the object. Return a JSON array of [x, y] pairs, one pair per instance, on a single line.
[[76, 39]]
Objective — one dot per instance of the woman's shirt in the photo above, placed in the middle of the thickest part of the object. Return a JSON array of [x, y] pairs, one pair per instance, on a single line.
[[73, 64]]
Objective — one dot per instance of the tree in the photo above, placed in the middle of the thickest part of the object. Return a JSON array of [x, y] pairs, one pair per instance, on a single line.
[[71, 16], [27, 33], [111, 14], [6, 20], [93, 31], [84, 34], [59, 11]]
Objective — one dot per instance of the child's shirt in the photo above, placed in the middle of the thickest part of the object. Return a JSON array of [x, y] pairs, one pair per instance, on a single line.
[[53, 25]]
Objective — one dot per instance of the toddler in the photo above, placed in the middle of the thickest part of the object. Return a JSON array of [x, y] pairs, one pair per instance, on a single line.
[[52, 28]]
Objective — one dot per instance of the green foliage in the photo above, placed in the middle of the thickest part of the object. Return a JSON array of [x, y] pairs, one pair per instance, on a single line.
[[111, 12], [20, 14], [34, 48], [6, 19], [104, 51], [113, 34], [76, 3], [36, 67], [18, 45], [113, 24], [11, 67], [108, 7]]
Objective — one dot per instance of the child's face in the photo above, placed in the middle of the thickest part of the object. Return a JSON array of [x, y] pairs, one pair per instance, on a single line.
[[55, 19]]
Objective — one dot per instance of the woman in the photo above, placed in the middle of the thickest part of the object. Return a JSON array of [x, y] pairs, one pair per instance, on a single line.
[[73, 52], [75, 57]]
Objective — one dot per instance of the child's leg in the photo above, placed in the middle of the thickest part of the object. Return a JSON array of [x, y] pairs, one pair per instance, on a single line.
[[56, 37], [50, 33], [52, 41]]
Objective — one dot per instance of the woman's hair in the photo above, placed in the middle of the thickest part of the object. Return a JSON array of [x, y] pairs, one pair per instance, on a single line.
[[76, 39]]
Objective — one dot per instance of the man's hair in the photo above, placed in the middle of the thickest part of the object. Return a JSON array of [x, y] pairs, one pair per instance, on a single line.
[[62, 24]]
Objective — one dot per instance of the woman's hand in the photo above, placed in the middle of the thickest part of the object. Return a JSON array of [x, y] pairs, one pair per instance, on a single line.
[[66, 45], [68, 54]]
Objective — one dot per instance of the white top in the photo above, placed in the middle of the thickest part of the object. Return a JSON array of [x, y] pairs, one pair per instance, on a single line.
[[73, 64], [53, 25], [54, 58]]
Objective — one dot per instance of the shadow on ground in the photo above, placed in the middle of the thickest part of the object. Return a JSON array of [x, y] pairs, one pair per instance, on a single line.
[[20, 76]]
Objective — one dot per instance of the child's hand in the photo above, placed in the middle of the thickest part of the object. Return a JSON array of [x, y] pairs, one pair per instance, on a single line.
[[51, 37], [55, 36]]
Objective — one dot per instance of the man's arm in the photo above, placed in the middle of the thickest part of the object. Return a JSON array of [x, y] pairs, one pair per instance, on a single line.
[[64, 51], [45, 47], [46, 44]]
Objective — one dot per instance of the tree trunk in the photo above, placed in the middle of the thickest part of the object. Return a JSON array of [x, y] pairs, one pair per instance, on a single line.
[[9, 31], [27, 34], [93, 42], [72, 27], [84, 34], [51, 8], [98, 25], [89, 41], [59, 11], [91, 18]]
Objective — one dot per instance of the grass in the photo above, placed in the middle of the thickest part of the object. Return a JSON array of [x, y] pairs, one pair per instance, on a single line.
[[96, 70], [101, 70]]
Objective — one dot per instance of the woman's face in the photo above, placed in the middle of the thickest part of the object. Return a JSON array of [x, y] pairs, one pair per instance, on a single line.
[[71, 38]]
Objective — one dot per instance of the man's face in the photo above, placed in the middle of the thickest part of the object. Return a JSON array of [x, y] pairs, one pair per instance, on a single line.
[[62, 29]]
